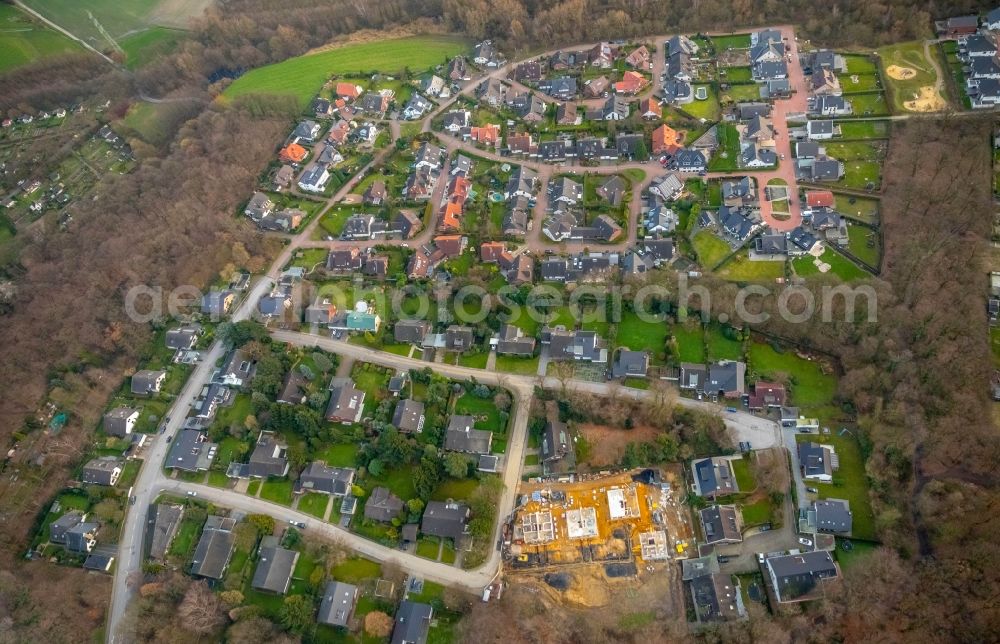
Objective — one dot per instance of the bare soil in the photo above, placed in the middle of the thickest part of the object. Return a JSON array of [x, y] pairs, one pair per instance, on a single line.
[[608, 443]]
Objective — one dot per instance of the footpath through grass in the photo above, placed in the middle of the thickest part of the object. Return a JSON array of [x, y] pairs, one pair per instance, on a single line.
[[303, 76], [24, 41]]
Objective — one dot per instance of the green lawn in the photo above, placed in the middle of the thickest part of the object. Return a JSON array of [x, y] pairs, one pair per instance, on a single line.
[[187, 536], [339, 455], [486, 413], [863, 244], [756, 513], [310, 257], [427, 547], [638, 335], [737, 75], [710, 249], [22, 40], [399, 482], [744, 478], [514, 364], [732, 41], [857, 554], [277, 491], [721, 347], [861, 208], [635, 175], [810, 387], [727, 156], [871, 104], [531, 459], [356, 569], [851, 84], [146, 46], [742, 93], [865, 129], [474, 360], [849, 482], [218, 479], [253, 487], [458, 489], [303, 76], [636, 383], [707, 109], [860, 175], [314, 503], [840, 266], [860, 64], [741, 269], [690, 344], [851, 150], [448, 556]]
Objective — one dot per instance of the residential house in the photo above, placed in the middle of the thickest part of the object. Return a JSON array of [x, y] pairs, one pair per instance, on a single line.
[[383, 506], [322, 108], [165, 519], [274, 569], [283, 178], [585, 346], [748, 111], [455, 120], [147, 382], [82, 537], [660, 220], [638, 58], [631, 83], [824, 82], [413, 620], [320, 477], [660, 250], [721, 524], [408, 223], [693, 377], [346, 402], [492, 92], [512, 341], [679, 67], [736, 192], [562, 88], [824, 170], [821, 130], [528, 72], [602, 55], [726, 378], [668, 187], [284, 221], [237, 371], [564, 193], [416, 107], [457, 70], [596, 87], [345, 259], [120, 421], [485, 54], [459, 338], [677, 92], [566, 114], [337, 605], [825, 59], [766, 395], [957, 26], [274, 304], [428, 156], [558, 453], [215, 548], [269, 457], [292, 153], [766, 71], [432, 85], [461, 436], [753, 155], [690, 160], [357, 227], [831, 106], [681, 44], [522, 183], [103, 470], [650, 109], [307, 131], [447, 520], [630, 364], [630, 146], [314, 178], [796, 576], [613, 190], [374, 105], [817, 461], [520, 144], [409, 416], [59, 528], [615, 108], [375, 193], [832, 515], [348, 91], [411, 331], [713, 477], [488, 135]]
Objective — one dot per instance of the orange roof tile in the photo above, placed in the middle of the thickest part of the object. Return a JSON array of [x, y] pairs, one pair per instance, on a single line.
[[820, 199], [350, 90], [293, 153]]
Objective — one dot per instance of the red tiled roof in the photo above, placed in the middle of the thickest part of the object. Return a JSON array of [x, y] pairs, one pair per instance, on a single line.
[[819, 199]]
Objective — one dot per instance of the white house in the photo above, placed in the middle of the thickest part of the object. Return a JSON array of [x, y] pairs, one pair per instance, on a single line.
[[314, 178]]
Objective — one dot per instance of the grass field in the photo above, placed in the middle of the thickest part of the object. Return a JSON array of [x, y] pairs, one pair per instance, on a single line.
[[744, 478], [145, 46], [740, 93], [149, 122], [756, 513], [850, 84], [911, 55], [690, 343], [119, 19], [638, 335], [859, 238], [277, 491], [865, 130], [23, 41], [707, 109], [741, 269], [314, 503], [849, 482], [303, 76], [457, 489], [810, 387], [486, 413], [355, 570], [721, 347], [514, 364], [869, 104], [857, 554], [710, 249], [860, 208], [839, 266], [340, 455], [861, 174], [732, 41]]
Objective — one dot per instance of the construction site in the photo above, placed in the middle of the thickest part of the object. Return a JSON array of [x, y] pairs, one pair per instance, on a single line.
[[626, 520]]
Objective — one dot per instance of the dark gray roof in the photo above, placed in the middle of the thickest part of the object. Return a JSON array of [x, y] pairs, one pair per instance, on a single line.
[[445, 519], [557, 443], [101, 470], [693, 376], [630, 363], [215, 548], [411, 331], [720, 523], [116, 421], [346, 402], [796, 575], [727, 376], [191, 451], [806, 149], [80, 536], [274, 569], [383, 505], [409, 416], [320, 477], [690, 159], [833, 515], [147, 381], [62, 525], [813, 459], [458, 338], [337, 605], [413, 621], [714, 476], [182, 338], [463, 437], [166, 519]]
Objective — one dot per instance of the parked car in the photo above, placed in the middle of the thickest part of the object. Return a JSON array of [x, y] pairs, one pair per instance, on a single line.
[[731, 410], [170, 438], [297, 524], [812, 490], [805, 542], [723, 559], [192, 493], [765, 527]]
